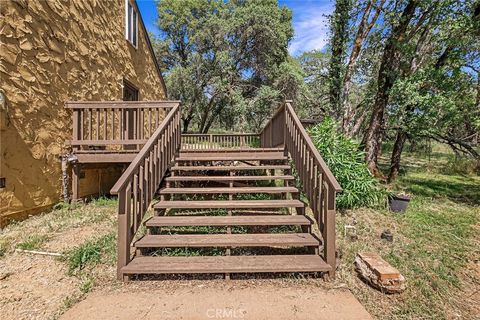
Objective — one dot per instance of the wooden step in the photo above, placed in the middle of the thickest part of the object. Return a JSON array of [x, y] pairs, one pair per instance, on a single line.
[[229, 168], [228, 240], [227, 190], [228, 178], [270, 220], [226, 264], [230, 156], [231, 204], [232, 150]]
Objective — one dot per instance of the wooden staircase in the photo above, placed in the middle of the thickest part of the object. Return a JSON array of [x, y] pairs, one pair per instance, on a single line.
[[223, 207], [206, 181]]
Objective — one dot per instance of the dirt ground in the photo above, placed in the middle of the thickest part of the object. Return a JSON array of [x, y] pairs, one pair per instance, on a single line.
[[33, 287], [37, 286], [223, 300], [40, 287]]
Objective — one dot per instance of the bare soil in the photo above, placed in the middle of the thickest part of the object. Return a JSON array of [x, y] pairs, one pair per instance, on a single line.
[[33, 286], [38, 286]]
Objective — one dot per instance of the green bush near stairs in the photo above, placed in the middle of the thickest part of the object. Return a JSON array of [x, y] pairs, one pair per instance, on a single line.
[[346, 161]]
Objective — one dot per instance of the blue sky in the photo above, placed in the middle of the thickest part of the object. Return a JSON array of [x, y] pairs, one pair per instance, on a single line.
[[309, 22]]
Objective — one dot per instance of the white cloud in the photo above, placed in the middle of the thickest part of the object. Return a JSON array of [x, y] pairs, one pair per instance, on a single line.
[[310, 25]]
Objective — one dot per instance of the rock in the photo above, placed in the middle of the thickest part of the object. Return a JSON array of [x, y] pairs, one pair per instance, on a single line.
[[387, 235], [379, 273]]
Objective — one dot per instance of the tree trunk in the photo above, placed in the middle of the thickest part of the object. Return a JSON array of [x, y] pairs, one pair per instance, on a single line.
[[363, 30], [358, 123], [388, 73], [186, 123], [396, 154], [340, 20]]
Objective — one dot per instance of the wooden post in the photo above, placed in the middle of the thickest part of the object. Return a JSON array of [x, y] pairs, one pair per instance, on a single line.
[[329, 231], [77, 134], [77, 126], [129, 128], [123, 236], [75, 182]]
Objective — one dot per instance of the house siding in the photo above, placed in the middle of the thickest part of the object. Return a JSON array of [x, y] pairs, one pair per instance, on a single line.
[[51, 52]]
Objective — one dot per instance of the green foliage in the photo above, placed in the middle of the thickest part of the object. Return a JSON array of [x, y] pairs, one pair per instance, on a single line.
[[33, 242], [92, 252], [104, 201], [339, 27], [346, 162], [461, 166], [226, 60]]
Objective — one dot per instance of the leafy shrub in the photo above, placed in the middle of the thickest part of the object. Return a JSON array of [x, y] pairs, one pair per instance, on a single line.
[[461, 166], [346, 161]]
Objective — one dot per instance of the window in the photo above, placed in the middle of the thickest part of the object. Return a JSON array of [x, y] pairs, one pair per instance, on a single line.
[[131, 23]]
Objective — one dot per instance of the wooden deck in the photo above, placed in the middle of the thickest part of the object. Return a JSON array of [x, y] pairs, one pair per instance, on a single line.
[[197, 182]]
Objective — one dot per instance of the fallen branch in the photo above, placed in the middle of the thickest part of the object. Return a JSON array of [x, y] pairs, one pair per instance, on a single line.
[[43, 253]]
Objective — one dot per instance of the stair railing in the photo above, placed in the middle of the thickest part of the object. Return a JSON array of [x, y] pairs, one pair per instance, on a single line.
[[199, 141], [111, 123], [272, 134], [317, 181], [140, 181]]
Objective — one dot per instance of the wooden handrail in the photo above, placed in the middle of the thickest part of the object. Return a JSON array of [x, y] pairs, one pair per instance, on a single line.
[[326, 170], [120, 104], [317, 181], [139, 183]]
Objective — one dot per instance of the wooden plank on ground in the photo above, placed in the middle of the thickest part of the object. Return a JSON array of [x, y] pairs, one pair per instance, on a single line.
[[381, 267]]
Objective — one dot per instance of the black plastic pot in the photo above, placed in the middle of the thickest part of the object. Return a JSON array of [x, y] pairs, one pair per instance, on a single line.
[[398, 203]]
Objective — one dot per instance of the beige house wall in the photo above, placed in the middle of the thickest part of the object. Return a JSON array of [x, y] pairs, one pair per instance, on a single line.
[[51, 52]]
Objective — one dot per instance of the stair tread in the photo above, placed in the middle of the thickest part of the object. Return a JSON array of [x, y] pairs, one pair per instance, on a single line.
[[261, 220], [213, 156], [227, 240], [229, 190], [228, 168], [226, 264], [232, 150], [210, 204], [228, 178]]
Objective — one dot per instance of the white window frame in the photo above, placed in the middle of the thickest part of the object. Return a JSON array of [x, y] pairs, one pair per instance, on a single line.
[[131, 34]]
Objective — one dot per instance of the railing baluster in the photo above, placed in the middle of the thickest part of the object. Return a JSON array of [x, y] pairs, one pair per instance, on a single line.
[[97, 132], [105, 136], [90, 121]]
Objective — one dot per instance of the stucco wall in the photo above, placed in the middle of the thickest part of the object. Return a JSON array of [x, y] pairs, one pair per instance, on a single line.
[[51, 52]]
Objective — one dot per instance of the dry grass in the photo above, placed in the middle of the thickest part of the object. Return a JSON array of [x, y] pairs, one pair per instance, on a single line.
[[41, 287], [35, 231], [436, 245]]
